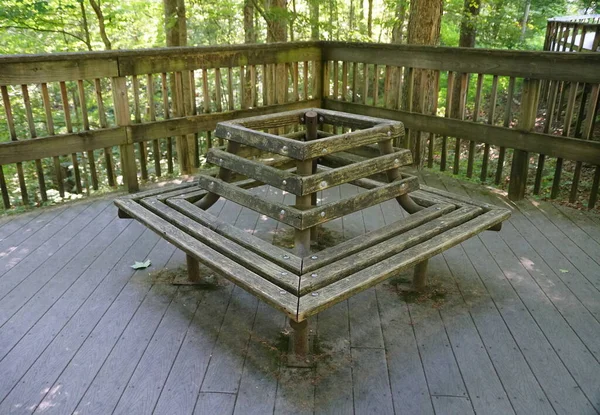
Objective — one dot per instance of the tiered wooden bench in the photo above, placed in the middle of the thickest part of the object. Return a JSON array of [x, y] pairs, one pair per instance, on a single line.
[[304, 283]]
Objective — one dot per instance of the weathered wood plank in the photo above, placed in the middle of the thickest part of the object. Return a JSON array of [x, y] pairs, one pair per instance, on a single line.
[[311, 304], [555, 146], [225, 246], [372, 393], [326, 179], [304, 219], [215, 403], [362, 242], [226, 365], [265, 249], [257, 170], [180, 392], [332, 393], [391, 245], [101, 279], [87, 361], [540, 65], [206, 122], [244, 278]]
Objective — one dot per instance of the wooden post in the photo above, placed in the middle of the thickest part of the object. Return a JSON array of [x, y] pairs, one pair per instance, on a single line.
[[299, 346], [420, 276], [123, 118], [193, 268], [305, 168], [312, 127], [520, 162]]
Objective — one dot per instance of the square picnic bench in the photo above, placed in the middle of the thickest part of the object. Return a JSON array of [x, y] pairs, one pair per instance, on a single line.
[[303, 152]]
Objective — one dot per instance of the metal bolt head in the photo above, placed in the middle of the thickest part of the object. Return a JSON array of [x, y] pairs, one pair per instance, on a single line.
[[302, 119], [314, 257], [322, 214], [228, 135], [220, 161], [396, 161], [282, 292], [323, 184], [438, 208], [314, 275], [389, 133], [283, 273], [314, 294], [321, 119], [284, 182], [282, 212], [285, 256], [211, 184], [284, 148], [324, 151]]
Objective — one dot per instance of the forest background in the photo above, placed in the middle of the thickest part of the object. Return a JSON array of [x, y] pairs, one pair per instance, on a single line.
[[43, 26]]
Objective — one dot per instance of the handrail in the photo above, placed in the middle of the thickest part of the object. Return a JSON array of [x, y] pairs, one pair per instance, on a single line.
[[165, 103]]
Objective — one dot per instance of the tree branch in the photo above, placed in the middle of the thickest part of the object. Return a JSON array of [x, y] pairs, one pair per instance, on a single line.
[[38, 29], [100, 16]]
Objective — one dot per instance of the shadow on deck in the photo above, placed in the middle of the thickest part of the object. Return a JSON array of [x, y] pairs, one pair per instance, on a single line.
[[510, 323]]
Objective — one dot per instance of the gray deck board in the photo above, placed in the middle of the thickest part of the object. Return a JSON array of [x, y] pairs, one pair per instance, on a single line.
[[87, 361], [81, 331]]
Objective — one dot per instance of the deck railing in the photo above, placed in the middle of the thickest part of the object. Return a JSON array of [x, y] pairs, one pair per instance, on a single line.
[[117, 117], [573, 34], [117, 114]]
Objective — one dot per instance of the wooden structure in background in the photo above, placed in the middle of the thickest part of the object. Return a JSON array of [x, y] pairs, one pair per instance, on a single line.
[[112, 115], [304, 283], [573, 34]]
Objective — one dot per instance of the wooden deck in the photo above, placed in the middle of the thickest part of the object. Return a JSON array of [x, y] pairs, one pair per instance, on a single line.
[[511, 324]]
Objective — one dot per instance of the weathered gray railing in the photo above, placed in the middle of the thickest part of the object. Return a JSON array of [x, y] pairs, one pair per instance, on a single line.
[[108, 117], [496, 118], [117, 114], [573, 33]]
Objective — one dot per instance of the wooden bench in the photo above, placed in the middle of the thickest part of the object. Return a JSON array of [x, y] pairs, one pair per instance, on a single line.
[[303, 283]]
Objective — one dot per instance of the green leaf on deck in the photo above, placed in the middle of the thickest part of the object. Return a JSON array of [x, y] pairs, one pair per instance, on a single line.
[[141, 265], [564, 271]]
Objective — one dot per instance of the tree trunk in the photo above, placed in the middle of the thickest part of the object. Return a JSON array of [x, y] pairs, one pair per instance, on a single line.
[[249, 31], [100, 16], [176, 35], [423, 29], [314, 19], [468, 27], [525, 19], [249, 37], [468, 32], [277, 32], [393, 99], [86, 27], [175, 24], [370, 20]]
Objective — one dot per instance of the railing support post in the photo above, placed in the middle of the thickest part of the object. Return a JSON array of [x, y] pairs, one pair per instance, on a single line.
[[123, 119], [520, 162]]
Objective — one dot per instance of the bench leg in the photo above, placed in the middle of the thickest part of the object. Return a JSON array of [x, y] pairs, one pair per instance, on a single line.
[[420, 276], [299, 352], [193, 268]]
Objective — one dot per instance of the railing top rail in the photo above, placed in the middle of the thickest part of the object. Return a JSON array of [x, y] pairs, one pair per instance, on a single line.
[[153, 52], [24, 69], [580, 67], [575, 18]]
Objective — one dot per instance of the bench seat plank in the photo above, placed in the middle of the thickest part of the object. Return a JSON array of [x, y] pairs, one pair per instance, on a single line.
[[271, 271], [238, 274], [300, 219], [376, 253], [360, 242], [266, 250], [316, 301]]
